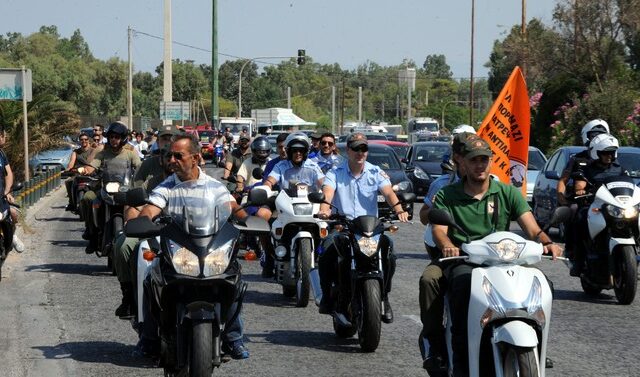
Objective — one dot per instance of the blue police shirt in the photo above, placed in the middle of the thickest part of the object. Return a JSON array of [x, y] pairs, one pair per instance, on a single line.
[[327, 163], [356, 196], [269, 167], [440, 182], [309, 173]]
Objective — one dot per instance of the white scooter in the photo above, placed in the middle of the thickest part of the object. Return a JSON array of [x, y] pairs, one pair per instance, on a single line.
[[611, 249], [510, 305], [296, 234]]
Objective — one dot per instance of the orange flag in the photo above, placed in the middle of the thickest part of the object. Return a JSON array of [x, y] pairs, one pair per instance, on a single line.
[[506, 129]]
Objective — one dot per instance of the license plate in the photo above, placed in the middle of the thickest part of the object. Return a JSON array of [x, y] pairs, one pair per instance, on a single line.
[[380, 199]]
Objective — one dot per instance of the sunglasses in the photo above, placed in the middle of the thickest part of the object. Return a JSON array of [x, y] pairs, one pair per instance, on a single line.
[[360, 148], [84, 139], [298, 150], [607, 153], [177, 155], [329, 143]]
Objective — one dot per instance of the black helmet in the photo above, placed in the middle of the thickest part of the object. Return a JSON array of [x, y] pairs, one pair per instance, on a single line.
[[260, 149], [118, 128]]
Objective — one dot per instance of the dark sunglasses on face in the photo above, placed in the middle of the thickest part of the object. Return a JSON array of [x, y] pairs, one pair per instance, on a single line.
[[115, 136], [607, 153], [329, 143], [298, 150], [97, 139], [360, 148], [177, 155]]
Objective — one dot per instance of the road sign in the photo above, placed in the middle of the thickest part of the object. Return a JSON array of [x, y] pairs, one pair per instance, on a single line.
[[11, 84], [174, 110]]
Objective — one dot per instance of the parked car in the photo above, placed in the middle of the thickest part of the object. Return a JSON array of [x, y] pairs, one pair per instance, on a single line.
[[384, 157], [544, 193], [424, 163], [537, 159], [401, 148], [52, 158]]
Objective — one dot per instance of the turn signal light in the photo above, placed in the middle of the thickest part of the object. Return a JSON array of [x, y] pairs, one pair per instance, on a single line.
[[250, 255], [595, 210], [148, 255], [393, 228], [324, 232]]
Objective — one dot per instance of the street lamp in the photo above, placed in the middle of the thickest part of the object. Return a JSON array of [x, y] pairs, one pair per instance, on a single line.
[[240, 77]]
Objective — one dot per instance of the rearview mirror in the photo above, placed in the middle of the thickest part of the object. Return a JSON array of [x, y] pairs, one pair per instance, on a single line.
[[136, 197], [316, 197], [258, 196], [257, 173], [552, 174], [142, 227], [560, 215], [406, 197], [440, 217]]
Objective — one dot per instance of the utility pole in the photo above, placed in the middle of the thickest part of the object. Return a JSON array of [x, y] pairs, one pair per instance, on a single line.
[[333, 109], [288, 97], [382, 108], [398, 108], [342, 109], [214, 67], [129, 82], [473, 14], [360, 105], [524, 38], [167, 91]]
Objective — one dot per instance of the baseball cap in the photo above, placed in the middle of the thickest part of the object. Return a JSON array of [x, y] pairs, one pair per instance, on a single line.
[[356, 139], [459, 139], [168, 129], [474, 147], [244, 137]]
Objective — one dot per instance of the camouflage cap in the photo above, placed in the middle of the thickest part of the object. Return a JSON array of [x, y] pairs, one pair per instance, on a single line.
[[459, 139], [474, 147], [356, 139]]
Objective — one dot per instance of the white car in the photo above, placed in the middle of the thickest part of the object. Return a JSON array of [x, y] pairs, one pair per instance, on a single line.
[[537, 160]]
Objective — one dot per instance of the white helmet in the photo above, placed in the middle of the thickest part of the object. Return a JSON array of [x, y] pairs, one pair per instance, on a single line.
[[297, 140], [601, 143], [463, 128], [595, 127]]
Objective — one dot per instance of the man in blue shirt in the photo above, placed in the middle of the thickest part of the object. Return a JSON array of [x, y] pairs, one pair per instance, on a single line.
[[282, 155], [327, 158], [353, 187]]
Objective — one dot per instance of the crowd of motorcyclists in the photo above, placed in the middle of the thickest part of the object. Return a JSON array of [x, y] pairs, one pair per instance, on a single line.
[[161, 162]]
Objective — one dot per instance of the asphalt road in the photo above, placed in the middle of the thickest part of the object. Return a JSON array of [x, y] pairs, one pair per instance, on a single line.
[[57, 304]]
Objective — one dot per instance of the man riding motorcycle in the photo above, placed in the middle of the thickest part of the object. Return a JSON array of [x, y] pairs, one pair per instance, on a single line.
[[603, 151], [353, 187], [480, 206], [237, 157], [114, 150], [297, 168], [327, 157], [260, 150], [590, 130], [184, 158], [78, 158]]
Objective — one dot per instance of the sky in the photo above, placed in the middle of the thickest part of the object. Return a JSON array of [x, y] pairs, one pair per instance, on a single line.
[[346, 32]]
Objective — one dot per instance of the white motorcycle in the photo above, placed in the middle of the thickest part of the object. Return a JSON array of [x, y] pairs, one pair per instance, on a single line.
[[295, 235], [510, 304], [611, 249]]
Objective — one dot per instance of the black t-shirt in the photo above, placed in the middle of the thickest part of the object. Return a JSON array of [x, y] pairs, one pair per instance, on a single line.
[[597, 174]]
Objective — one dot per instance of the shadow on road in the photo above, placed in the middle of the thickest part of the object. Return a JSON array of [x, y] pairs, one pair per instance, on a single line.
[[275, 300], [579, 296], [71, 268], [412, 255], [97, 352], [62, 219], [318, 340], [69, 243]]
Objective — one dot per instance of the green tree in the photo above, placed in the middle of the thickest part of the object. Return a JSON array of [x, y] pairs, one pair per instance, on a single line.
[[435, 66]]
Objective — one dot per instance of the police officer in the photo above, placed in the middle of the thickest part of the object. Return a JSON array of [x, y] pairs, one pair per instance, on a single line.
[[327, 157], [114, 151], [603, 151], [353, 187], [577, 162]]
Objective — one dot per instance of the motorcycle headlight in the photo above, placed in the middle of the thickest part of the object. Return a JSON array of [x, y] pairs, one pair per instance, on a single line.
[[402, 186], [533, 302], [303, 209], [499, 306], [622, 213], [185, 262], [112, 187], [368, 246], [507, 249], [218, 260], [419, 173]]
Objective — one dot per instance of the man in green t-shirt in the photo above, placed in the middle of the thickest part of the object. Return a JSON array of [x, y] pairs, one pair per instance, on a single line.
[[113, 153], [480, 206]]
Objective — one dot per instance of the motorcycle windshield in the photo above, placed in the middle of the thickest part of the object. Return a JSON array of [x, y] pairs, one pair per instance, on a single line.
[[200, 207], [117, 170]]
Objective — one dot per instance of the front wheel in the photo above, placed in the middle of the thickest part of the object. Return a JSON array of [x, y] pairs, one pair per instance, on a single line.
[[520, 361], [589, 289], [201, 352], [370, 313], [625, 275], [302, 270]]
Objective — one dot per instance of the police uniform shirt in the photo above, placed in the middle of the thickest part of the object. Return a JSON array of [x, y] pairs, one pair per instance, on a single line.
[[327, 163], [356, 196], [309, 173]]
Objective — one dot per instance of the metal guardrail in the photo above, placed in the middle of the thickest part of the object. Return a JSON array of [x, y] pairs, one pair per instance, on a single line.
[[38, 186]]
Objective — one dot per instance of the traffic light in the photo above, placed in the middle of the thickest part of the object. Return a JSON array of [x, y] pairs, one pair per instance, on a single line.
[[301, 57]]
